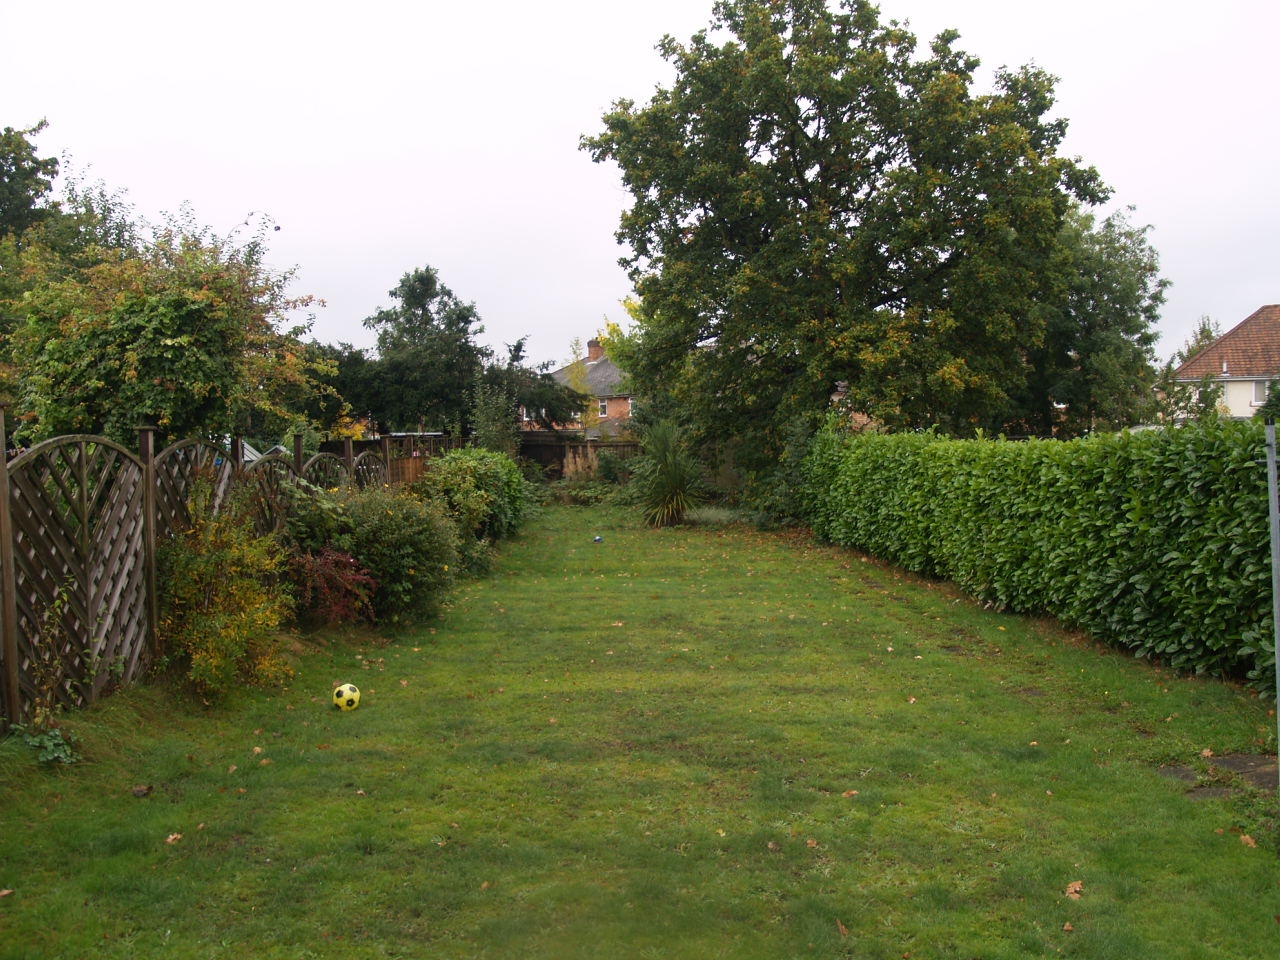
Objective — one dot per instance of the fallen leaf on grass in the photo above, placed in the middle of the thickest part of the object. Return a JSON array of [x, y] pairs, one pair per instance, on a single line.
[[173, 838], [850, 793], [1068, 927], [811, 843], [5, 893], [1248, 841], [844, 931], [1075, 888], [1206, 753]]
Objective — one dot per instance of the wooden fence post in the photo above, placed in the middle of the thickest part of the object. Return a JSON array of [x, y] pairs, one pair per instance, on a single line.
[[151, 583], [349, 457], [8, 594], [297, 454]]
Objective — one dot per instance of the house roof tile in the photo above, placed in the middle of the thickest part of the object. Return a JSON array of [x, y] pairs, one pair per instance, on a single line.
[[1249, 350], [602, 379]]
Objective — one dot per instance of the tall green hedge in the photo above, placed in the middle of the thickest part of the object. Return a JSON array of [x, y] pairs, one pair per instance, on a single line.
[[1155, 541]]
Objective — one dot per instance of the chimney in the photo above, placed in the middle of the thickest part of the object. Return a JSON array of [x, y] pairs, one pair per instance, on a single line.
[[594, 350]]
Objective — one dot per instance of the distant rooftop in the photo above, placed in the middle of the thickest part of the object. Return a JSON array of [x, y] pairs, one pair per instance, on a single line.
[[1250, 350]]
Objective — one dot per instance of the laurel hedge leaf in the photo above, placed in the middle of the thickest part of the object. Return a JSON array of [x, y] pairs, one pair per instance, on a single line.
[[1155, 541]]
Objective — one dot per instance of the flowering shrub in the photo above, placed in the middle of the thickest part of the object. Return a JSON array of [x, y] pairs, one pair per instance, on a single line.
[[223, 598]]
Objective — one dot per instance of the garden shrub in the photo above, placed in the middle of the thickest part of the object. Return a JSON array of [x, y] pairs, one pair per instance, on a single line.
[[331, 588], [613, 469], [224, 600], [1156, 541], [379, 553], [407, 545], [484, 493]]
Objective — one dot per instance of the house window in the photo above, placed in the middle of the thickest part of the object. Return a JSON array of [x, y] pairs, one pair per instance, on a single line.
[[603, 408], [1260, 390]]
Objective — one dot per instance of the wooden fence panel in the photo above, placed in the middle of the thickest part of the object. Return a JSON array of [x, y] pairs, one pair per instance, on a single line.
[[80, 518], [78, 572], [326, 470], [176, 471]]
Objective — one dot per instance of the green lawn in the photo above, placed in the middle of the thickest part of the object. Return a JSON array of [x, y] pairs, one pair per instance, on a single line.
[[690, 743]]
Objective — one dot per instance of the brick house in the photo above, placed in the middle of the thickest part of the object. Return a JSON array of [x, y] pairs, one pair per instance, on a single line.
[[1244, 361], [611, 399]]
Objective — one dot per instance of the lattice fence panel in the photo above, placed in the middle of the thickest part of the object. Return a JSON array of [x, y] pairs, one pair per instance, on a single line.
[[177, 470], [79, 570], [371, 470], [268, 478], [325, 471]]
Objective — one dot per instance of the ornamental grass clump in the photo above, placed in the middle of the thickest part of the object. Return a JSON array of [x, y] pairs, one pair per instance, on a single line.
[[668, 479]]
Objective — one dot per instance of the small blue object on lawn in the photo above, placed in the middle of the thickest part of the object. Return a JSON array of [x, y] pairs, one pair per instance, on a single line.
[[599, 539]]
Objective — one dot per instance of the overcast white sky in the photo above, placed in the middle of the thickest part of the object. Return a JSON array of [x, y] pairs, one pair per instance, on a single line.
[[384, 135]]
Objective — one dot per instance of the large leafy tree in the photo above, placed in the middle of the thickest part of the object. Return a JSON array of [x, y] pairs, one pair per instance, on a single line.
[[26, 181], [1094, 366], [814, 205], [427, 355], [428, 372]]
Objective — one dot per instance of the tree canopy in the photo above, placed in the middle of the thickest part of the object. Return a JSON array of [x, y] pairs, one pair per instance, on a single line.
[[428, 371], [1093, 367], [188, 334], [26, 181], [427, 355], [815, 209]]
